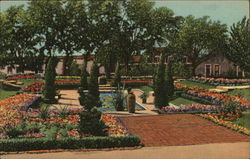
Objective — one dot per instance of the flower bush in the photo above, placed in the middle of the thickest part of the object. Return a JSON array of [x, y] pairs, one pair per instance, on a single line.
[[216, 98], [10, 110], [230, 125], [191, 108], [68, 77], [66, 82], [221, 81], [34, 87], [115, 126]]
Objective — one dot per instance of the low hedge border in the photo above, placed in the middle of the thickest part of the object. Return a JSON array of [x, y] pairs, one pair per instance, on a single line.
[[26, 144]]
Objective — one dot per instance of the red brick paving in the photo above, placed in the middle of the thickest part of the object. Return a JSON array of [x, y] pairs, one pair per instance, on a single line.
[[179, 129]]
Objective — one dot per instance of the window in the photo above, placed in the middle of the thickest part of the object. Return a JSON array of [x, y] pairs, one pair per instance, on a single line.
[[217, 69], [208, 70]]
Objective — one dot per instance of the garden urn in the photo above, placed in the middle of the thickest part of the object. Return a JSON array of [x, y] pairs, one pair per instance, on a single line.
[[131, 102]]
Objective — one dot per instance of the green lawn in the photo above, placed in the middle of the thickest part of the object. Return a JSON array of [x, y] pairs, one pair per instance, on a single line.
[[27, 82], [5, 94], [179, 101], [146, 89], [244, 120], [244, 92], [196, 84]]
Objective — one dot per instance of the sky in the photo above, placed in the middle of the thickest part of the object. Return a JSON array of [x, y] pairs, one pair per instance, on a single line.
[[226, 11]]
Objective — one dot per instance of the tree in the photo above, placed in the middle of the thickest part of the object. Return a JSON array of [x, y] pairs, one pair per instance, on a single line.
[[160, 89], [117, 79], [199, 37], [19, 39], [49, 91], [239, 50], [135, 16], [169, 81], [84, 75], [74, 69], [93, 87]]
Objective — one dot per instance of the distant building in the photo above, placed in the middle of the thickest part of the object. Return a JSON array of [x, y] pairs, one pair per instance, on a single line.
[[212, 66]]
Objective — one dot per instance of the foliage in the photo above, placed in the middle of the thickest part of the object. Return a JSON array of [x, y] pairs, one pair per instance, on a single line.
[[91, 123], [44, 110], [84, 75], [118, 98], [93, 93], [169, 81], [143, 95], [181, 71], [16, 131], [199, 37], [160, 90], [238, 45], [74, 69], [117, 75], [26, 144], [231, 107]]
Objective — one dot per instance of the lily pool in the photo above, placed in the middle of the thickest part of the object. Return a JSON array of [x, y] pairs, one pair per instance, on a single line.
[[107, 103]]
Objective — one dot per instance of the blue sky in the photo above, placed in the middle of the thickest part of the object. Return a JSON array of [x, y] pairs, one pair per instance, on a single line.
[[226, 11]]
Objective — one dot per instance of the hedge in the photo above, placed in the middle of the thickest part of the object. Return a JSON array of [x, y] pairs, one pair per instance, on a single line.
[[26, 144]]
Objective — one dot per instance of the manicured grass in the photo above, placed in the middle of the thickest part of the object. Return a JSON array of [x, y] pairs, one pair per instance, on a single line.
[[5, 94], [244, 120], [243, 92], [146, 89], [27, 82], [196, 84], [180, 101]]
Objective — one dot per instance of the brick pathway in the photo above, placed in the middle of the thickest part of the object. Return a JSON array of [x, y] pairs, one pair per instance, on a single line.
[[180, 129]]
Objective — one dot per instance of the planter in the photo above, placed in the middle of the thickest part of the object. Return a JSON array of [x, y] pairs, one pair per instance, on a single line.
[[131, 103]]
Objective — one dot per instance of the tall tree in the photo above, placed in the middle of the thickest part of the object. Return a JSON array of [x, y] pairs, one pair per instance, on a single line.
[[49, 91], [135, 17], [20, 42], [199, 37], [239, 41], [160, 89]]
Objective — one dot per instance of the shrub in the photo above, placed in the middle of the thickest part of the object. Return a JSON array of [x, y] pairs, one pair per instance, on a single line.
[[84, 75], [93, 94], [16, 131], [161, 99], [26, 144], [91, 123], [118, 99], [49, 86], [74, 69]]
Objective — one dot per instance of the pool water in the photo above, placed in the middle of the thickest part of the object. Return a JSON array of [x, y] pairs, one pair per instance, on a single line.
[[107, 103]]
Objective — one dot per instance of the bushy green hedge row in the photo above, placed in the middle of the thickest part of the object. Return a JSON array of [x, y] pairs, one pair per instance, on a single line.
[[26, 144]]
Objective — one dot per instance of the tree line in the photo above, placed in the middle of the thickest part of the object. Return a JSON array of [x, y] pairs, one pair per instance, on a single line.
[[113, 30]]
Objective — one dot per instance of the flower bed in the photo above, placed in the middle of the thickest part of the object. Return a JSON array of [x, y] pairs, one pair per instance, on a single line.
[[60, 78], [221, 81], [10, 114], [34, 87], [214, 97], [23, 76], [68, 82], [194, 108], [224, 123]]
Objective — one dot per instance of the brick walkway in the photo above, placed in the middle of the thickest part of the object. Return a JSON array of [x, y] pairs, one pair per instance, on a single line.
[[179, 129]]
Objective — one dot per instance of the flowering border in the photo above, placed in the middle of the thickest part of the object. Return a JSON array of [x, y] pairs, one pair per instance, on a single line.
[[224, 123]]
